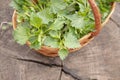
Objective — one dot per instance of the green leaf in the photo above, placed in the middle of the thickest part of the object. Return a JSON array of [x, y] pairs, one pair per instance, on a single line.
[[54, 34], [21, 34], [76, 21], [46, 16], [16, 5], [35, 45], [71, 41], [32, 39], [35, 20], [58, 24], [52, 42], [113, 0], [57, 5], [63, 53], [35, 42]]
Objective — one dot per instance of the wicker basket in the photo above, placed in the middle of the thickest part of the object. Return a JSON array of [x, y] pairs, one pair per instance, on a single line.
[[53, 52]]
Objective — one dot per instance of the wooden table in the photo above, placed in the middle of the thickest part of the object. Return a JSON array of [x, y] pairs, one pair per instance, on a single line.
[[99, 60]]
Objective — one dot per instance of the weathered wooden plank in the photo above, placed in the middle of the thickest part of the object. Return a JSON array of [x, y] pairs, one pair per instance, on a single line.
[[66, 77], [5, 10], [100, 59], [12, 69], [116, 16], [34, 71], [8, 69]]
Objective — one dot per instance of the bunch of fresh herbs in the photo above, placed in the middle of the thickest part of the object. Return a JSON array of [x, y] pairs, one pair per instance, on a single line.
[[55, 23]]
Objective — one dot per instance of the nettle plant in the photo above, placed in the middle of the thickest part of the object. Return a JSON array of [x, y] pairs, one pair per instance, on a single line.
[[55, 23]]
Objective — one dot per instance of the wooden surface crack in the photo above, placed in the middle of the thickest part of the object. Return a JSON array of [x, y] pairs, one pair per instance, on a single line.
[[63, 68], [73, 75], [39, 62]]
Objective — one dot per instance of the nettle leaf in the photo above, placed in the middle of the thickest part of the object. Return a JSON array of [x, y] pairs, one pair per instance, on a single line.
[[33, 39], [71, 41], [17, 4], [35, 42], [57, 5], [35, 45], [52, 42], [58, 24], [82, 5], [76, 21], [21, 34], [63, 53], [46, 16], [54, 34], [35, 20]]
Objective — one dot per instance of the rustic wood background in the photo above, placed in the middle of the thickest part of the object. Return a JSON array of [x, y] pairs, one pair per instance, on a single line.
[[99, 60]]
